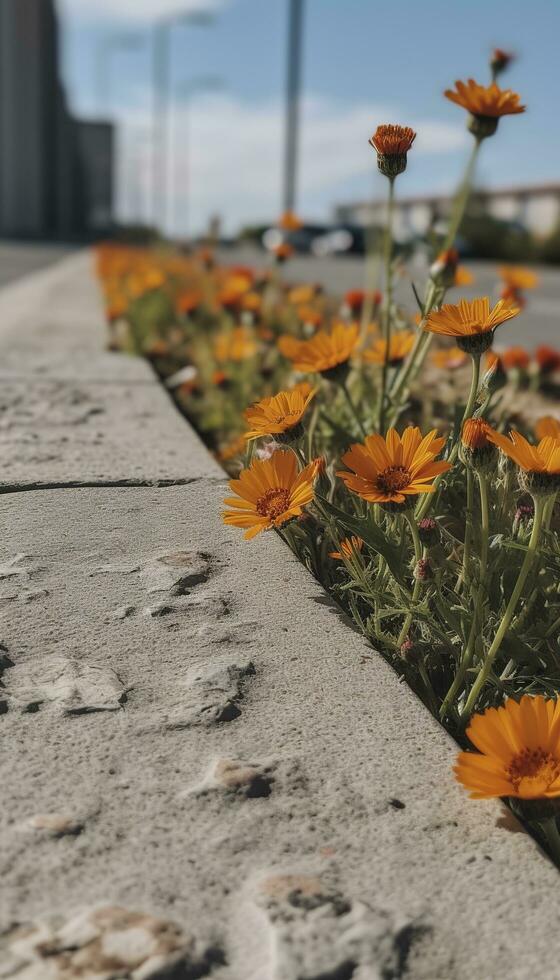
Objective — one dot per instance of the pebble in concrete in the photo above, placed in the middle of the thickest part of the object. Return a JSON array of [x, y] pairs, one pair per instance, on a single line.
[[318, 933], [213, 693], [70, 685], [106, 943]]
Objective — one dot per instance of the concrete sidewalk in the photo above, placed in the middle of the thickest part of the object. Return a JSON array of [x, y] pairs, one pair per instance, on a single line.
[[194, 739]]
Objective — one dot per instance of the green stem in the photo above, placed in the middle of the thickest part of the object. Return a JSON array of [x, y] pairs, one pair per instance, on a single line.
[[484, 525], [417, 583], [551, 835], [388, 299], [510, 610], [418, 353], [464, 576], [353, 408], [430, 498]]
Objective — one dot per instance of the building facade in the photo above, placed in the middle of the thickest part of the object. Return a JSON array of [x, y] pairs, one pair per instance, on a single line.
[[536, 208], [45, 165]]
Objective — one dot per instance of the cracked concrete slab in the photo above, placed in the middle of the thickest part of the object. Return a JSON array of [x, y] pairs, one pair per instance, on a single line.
[[73, 415], [208, 772], [369, 852]]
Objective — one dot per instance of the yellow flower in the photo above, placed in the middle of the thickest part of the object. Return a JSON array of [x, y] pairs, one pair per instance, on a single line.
[[399, 346], [387, 470], [348, 548], [547, 426], [269, 493], [449, 358], [324, 352], [472, 322], [237, 345], [516, 277], [485, 100], [277, 415], [519, 748]]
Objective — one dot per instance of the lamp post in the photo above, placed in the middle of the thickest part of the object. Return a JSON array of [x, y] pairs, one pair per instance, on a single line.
[[107, 47], [194, 86], [162, 33], [293, 87]]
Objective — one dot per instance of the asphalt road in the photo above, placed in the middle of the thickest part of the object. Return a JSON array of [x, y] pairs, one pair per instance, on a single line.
[[18, 259], [538, 324]]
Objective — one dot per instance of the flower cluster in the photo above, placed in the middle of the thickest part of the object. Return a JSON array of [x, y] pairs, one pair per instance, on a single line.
[[425, 508]]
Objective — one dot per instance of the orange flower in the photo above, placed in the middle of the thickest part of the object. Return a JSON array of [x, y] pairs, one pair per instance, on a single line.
[[283, 252], [547, 426], [400, 345], [539, 465], [515, 357], [499, 60], [290, 221], [517, 277], [354, 299], [392, 144], [391, 140], [309, 316], [302, 295], [323, 353], [474, 434], [188, 301], [390, 469], [471, 322], [348, 548], [449, 358], [463, 277], [236, 345], [281, 414], [251, 302], [519, 746], [547, 359], [232, 449], [269, 493], [485, 100]]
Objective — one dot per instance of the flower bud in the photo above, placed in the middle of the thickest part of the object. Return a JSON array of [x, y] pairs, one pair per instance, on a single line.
[[500, 60], [423, 571], [444, 269], [428, 532], [477, 450], [408, 651], [392, 144]]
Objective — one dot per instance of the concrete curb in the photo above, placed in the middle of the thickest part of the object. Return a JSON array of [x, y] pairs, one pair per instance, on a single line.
[[193, 731]]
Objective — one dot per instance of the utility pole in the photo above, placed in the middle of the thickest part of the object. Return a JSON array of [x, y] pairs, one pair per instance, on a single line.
[[293, 88]]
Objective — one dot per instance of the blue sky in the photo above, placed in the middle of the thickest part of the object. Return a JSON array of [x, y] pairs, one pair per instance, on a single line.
[[365, 62]]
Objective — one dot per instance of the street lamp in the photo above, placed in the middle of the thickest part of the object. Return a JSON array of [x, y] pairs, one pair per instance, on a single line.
[[162, 71], [293, 86], [204, 83], [107, 47]]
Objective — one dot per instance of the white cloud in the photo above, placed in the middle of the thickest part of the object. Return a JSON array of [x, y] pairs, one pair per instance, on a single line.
[[138, 11], [233, 161]]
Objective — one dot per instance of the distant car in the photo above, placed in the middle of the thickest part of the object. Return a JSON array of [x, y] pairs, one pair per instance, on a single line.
[[339, 240], [301, 239]]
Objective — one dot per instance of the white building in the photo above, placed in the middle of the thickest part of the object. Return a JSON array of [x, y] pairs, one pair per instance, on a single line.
[[535, 207]]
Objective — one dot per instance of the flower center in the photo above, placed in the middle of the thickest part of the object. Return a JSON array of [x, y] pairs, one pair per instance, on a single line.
[[273, 503], [393, 479], [532, 771]]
